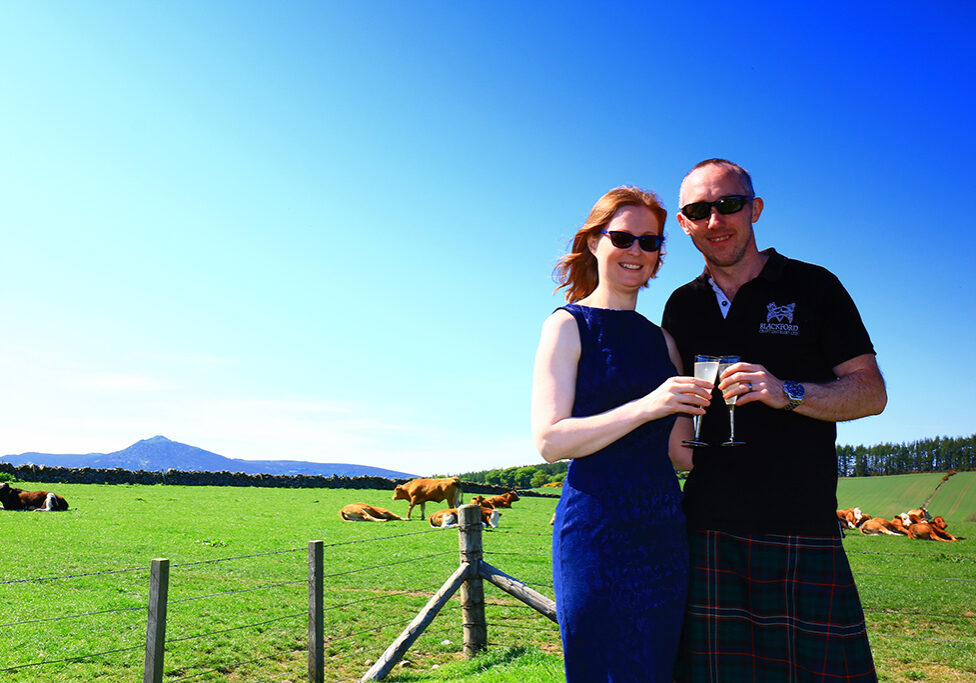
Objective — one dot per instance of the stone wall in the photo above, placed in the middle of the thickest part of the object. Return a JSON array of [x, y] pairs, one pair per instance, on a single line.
[[88, 475]]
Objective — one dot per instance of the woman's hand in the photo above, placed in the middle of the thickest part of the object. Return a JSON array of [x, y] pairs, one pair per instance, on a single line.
[[678, 395]]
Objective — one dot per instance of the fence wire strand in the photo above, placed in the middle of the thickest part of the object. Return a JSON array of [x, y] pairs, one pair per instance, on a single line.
[[73, 659], [240, 590], [76, 576], [389, 564], [141, 608], [229, 667], [235, 628], [921, 577]]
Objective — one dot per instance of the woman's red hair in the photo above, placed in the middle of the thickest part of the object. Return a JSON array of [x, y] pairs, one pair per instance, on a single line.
[[577, 270]]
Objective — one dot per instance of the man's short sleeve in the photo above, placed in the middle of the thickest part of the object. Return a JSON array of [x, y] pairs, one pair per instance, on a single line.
[[842, 332]]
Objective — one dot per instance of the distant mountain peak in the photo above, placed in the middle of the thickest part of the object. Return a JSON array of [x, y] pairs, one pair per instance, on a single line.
[[160, 454]]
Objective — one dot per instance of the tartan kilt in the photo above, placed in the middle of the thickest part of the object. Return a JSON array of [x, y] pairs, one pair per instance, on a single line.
[[772, 608]]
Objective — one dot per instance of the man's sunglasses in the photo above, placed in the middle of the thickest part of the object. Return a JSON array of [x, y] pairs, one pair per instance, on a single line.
[[623, 240], [732, 203]]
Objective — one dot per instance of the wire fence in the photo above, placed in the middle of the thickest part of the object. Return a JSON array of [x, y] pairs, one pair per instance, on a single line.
[[246, 615]]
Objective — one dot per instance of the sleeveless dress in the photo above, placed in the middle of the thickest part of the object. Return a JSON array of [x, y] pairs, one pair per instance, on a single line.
[[619, 548]]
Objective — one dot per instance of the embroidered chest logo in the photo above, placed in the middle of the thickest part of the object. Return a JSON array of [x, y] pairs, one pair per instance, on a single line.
[[779, 320], [779, 313]]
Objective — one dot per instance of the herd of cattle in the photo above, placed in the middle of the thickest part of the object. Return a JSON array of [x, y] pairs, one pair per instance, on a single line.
[[423, 491], [918, 524]]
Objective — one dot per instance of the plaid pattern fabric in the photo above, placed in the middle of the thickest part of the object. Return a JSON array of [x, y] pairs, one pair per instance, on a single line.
[[782, 609]]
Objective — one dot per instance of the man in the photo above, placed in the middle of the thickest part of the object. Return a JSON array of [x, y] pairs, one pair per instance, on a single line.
[[771, 596]]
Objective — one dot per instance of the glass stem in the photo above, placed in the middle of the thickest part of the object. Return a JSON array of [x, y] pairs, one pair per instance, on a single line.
[[697, 421], [732, 423]]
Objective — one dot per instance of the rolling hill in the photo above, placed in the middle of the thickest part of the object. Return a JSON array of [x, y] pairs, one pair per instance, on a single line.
[[161, 454]]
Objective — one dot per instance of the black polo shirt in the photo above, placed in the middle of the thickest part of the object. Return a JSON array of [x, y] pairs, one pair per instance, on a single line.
[[798, 321]]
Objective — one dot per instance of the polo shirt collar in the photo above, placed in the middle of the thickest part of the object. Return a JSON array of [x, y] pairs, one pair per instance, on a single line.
[[772, 270]]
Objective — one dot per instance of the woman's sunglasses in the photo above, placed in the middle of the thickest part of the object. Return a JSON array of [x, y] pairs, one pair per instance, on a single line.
[[732, 203], [623, 240]]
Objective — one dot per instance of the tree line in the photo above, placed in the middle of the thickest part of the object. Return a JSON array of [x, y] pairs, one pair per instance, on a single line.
[[527, 477], [928, 455], [937, 454]]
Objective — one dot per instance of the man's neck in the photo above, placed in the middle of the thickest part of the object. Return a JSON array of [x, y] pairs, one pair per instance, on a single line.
[[731, 278]]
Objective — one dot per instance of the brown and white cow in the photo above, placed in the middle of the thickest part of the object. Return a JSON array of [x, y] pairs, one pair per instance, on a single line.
[[880, 525], [934, 530], [505, 500], [421, 491], [361, 512], [446, 519], [851, 518], [18, 499], [901, 523], [921, 514]]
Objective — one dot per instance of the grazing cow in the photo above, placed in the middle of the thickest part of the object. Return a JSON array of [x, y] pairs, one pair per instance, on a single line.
[[420, 491], [446, 519], [361, 512], [879, 525], [18, 499], [503, 501]]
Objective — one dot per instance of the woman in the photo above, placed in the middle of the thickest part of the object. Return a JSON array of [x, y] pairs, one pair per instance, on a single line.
[[604, 396]]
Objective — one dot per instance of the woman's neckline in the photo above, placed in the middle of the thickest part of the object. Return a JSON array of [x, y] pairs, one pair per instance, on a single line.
[[601, 308]]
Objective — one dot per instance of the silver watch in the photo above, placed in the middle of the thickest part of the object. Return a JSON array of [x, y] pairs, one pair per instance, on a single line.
[[794, 392]]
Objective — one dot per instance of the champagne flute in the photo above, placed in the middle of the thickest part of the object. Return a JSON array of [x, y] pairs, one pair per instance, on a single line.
[[723, 363], [706, 367]]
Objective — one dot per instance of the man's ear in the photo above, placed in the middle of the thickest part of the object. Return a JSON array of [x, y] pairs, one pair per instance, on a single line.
[[757, 207], [684, 223]]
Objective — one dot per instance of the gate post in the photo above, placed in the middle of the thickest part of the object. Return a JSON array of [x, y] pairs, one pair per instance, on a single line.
[[316, 644], [472, 590], [152, 671]]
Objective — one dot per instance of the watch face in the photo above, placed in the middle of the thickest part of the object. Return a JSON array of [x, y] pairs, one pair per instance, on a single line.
[[794, 390]]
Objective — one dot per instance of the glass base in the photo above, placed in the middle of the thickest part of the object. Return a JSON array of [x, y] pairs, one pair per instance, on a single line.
[[695, 443], [733, 443]]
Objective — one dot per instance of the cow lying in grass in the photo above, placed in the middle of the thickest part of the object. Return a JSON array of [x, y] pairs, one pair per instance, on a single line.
[[18, 499], [934, 530], [851, 518], [880, 525], [446, 519], [361, 512]]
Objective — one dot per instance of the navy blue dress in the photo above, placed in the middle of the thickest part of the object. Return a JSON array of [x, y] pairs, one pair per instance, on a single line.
[[619, 549]]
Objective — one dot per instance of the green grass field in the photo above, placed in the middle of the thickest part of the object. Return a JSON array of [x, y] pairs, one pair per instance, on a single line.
[[244, 619]]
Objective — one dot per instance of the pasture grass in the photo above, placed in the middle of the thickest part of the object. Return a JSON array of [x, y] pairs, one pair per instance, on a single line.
[[238, 597]]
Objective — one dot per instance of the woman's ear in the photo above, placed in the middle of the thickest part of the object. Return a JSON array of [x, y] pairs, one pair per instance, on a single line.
[[592, 241]]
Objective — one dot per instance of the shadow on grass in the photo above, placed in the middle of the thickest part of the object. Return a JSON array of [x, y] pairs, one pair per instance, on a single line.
[[523, 664]]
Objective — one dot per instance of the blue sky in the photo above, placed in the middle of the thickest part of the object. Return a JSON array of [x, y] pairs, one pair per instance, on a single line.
[[326, 231]]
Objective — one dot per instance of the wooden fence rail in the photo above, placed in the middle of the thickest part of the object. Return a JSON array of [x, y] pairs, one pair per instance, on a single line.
[[468, 578]]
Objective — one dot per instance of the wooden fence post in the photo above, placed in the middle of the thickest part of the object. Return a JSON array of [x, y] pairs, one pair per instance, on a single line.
[[156, 621], [472, 590], [316, 644]]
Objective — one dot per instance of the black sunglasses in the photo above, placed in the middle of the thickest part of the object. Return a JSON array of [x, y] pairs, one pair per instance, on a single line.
[[732, 203], [623, 240]]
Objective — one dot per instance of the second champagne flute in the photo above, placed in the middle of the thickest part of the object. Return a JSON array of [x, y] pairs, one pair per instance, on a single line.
[[706, 367], [723, 363]]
